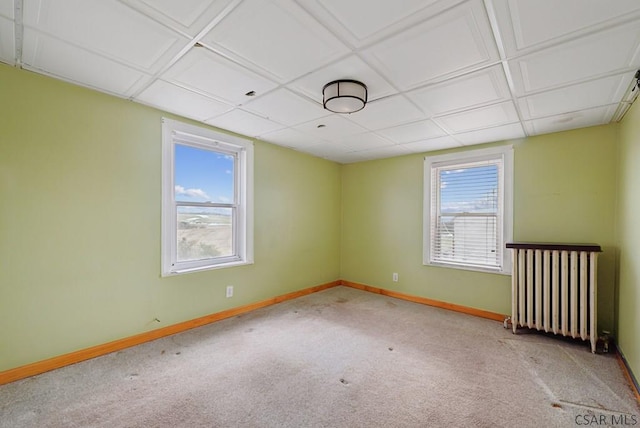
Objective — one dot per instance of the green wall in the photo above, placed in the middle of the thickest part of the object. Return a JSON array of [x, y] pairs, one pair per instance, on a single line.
[[629, 238], [80, 192], [80, 179], [564, 191]]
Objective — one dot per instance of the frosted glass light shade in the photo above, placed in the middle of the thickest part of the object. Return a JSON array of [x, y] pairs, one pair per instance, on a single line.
[[344, 96]]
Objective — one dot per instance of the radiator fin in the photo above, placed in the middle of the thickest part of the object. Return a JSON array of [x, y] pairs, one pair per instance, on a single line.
[[555, 291]]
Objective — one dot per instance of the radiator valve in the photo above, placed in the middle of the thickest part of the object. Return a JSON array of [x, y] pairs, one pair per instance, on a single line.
[[506, 322], [605, 341]]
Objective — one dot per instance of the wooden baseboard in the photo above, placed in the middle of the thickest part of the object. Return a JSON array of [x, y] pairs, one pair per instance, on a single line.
[[425, 301], [626, 370], [43, 366]]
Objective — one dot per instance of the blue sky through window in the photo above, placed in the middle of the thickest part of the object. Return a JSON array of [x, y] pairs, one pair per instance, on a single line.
[[469, 190], [203, 175]]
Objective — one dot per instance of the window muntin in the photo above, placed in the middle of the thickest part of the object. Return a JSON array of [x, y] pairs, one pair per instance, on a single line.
[[468, 209], [207, 179]]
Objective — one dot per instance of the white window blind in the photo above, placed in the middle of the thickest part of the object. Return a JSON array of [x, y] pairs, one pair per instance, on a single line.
[[467, 214], [465, 199]]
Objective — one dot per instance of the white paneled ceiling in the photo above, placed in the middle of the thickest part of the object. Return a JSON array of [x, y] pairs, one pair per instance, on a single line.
[[439, 73]]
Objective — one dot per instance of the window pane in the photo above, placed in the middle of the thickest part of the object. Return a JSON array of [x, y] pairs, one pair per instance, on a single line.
[[207, 199], [204, 232], [468, 198], [467, 218], [469, 190], [203, 175], [468, 238]]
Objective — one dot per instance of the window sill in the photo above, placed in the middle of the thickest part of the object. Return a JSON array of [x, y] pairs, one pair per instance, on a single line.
[[208, 267], [468, 268]]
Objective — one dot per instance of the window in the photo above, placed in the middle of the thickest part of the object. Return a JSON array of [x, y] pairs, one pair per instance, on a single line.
[[207, 219], [468, 209]]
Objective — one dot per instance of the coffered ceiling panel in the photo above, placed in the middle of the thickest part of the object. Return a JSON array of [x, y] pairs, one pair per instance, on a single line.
[[279, 37], [216, 76], [410, 132], [182, 101], [453, 42], [106, 27], [610, 51], [330, 128], [431, 144], [498, 133], [363, 18], [383, 152], [528, 24], [6, 8], [564, 122], [245, 123], [59, 59], [328, 150], [186, 16], [361, 21], [494, 115], [364, 141], [286, 107], [439, 73], [7, 41], [471, 90], [575, 97], [376, 115], [291, 138]]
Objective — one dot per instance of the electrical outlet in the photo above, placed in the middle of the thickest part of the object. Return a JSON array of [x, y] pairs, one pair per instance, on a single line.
[[229, 290], [395, 277]]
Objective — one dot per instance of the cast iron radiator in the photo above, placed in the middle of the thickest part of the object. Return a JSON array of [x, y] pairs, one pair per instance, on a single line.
[[554, 288]]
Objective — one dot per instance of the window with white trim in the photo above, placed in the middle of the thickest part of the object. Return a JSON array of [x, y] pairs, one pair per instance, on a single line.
[[207, 216], [468, 209]]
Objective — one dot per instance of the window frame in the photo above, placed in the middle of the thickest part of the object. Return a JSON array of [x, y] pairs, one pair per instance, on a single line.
[[175, 132], [505, 180]]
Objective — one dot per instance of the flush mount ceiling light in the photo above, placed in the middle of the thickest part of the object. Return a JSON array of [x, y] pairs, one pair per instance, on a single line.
[[344, 96]]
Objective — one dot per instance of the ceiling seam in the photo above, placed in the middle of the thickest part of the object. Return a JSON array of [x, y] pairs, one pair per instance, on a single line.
[[358, 51], [497, 36], [18, 8], [154, 19], [188, 46]]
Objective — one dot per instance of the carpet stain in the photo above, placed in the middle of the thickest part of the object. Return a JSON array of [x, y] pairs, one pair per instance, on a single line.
[[556, 405], [341, 300], [344, 381], [391, 304], [178, 353], [390, 348], [132, 376], [249, 330]]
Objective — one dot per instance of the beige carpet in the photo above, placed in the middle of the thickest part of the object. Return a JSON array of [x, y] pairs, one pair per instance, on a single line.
[[338, 358]]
